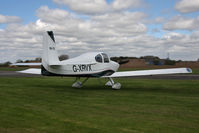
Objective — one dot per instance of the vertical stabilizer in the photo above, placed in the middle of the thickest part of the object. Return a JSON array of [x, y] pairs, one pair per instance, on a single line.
[[50, 56]]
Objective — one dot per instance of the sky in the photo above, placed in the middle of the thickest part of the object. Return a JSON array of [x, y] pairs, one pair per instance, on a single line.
[[117, 27]]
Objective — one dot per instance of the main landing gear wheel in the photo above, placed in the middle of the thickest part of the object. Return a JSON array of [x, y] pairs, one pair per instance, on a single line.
[[79, 84], [115, 86]]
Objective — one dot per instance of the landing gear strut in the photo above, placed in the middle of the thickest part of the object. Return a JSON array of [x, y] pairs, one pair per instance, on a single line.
[[115, 86], [79, 84]]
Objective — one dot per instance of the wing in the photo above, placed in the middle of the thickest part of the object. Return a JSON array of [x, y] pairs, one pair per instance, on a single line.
[[31, 71], [26, 64], [149, 72]]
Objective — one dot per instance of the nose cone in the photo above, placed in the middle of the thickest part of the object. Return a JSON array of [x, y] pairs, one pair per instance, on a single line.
[[115, 66]]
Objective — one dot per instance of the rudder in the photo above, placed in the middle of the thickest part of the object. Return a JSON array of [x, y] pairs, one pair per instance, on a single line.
[[50, 56]]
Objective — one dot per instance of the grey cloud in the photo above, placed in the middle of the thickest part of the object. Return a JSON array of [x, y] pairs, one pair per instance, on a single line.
[[187, 6], [93, 7], [126, 4], [118, 34], [85, 6], [9, 19], [159, 20], [181, 23]]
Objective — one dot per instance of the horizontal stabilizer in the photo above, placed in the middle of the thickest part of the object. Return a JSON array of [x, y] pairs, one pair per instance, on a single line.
[[31, 71], [150, 72], [26, 64]]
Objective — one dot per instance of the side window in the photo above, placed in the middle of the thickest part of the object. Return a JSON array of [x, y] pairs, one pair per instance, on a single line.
[[98, 58], [106, 59]]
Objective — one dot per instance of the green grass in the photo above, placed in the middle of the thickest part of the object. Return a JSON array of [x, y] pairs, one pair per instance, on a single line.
[[12, 68], [51, 105], [195, 70]]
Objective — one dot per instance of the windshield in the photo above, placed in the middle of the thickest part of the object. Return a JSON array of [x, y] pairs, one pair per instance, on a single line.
[[106, 59], [98, 58]]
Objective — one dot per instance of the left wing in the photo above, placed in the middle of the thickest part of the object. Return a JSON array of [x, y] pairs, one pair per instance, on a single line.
[[26, 64], [149, 72], [31, 71]]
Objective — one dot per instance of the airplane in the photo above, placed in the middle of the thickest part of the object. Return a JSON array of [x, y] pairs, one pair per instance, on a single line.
[[92, 64]]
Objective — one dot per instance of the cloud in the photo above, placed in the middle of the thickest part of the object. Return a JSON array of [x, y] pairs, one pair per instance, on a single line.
[[126, 4], [93, 7], [85, 6], [52, 16], [187, 6], [182, 23], [127, 23], [9, 19], [159, 20], [179, 45], [119, 33]]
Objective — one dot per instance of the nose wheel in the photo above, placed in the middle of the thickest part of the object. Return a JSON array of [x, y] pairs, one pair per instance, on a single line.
[[111, 83]]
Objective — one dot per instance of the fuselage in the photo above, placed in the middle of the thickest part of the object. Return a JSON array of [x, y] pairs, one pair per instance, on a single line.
[[94, 64]]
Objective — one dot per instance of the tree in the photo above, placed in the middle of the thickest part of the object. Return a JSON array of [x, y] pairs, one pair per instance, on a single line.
[[156, 62], [38, 59], [19, 61], [5, 64], [170, 62]]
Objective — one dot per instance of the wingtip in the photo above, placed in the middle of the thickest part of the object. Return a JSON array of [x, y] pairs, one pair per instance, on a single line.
[[189, 70]]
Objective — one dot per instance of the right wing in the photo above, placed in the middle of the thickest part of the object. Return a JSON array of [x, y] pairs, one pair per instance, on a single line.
[[149, 72]]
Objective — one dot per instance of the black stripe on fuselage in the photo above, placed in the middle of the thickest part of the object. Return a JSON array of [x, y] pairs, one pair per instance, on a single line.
[[45, 72]]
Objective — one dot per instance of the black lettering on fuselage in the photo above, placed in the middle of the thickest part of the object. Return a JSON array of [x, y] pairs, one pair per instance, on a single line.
[[52, 48], [74, 68], [82, 68]]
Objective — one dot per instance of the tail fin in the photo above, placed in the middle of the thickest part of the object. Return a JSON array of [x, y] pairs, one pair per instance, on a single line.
[[50, 56]]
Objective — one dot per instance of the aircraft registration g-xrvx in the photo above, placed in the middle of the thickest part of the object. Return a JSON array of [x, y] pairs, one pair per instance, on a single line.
[[93, 64]]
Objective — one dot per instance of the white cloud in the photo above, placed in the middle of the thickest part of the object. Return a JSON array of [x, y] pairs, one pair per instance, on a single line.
[[172, 36], [9, 19], [187, 6], [93, 7], [126, 4], [181, 23], [181, 46], [117, 33], [159, 20], [126, 23], [85, 6], [51, 16]]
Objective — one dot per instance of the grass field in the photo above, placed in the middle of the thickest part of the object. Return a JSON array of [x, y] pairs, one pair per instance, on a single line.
[[12, 68], [51, 105]]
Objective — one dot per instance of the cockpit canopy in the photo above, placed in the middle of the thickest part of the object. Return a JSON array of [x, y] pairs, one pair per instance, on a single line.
[[102, 58]]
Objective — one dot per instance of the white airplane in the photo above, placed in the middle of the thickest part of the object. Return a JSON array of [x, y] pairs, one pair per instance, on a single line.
[[93, 64]]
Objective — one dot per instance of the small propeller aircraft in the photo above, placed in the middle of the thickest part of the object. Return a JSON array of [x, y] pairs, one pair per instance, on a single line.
[[93, 64]]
